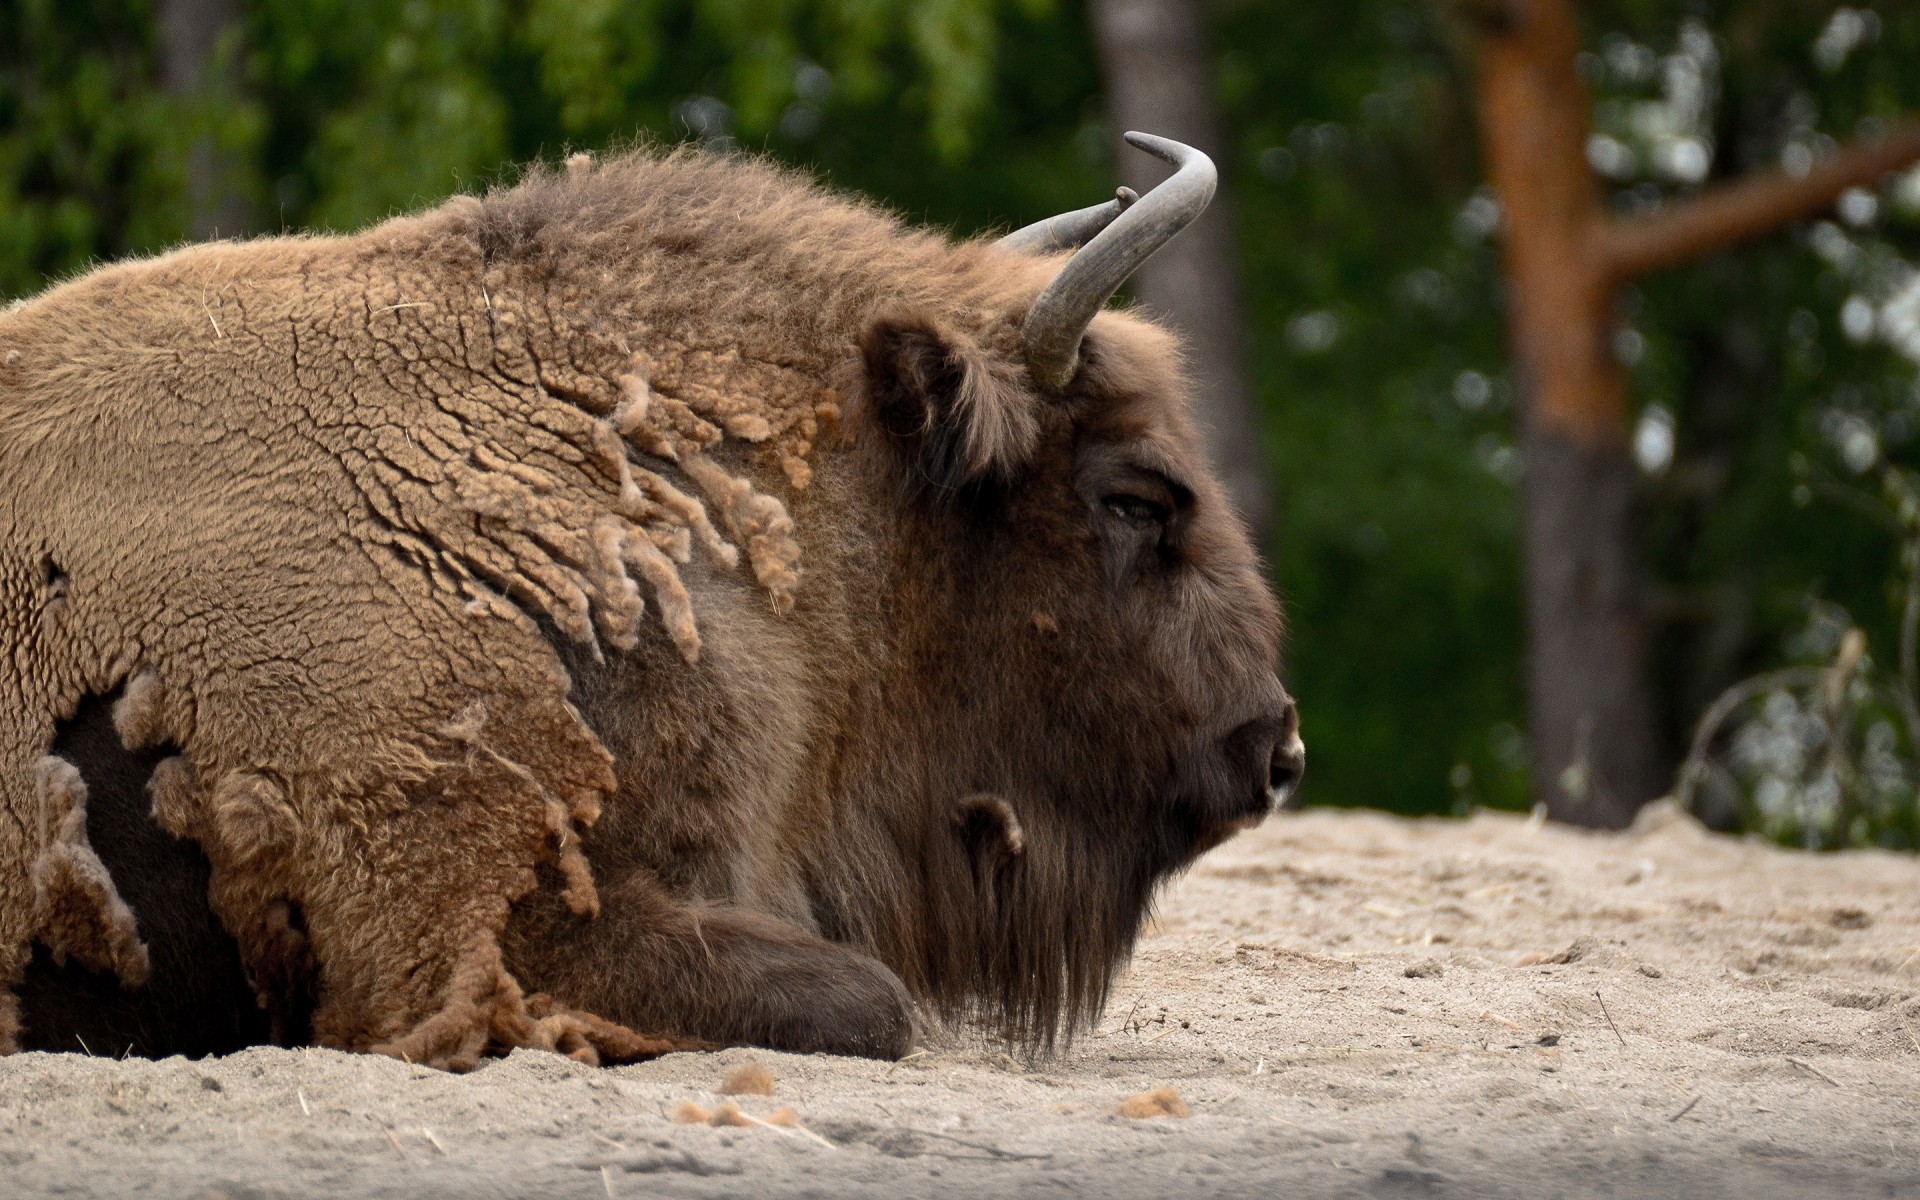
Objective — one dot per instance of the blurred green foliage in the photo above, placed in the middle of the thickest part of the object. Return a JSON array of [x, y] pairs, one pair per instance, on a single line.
[[1368, 247]]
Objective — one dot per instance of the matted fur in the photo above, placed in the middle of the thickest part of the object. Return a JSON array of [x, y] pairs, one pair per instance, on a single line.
[[358, 522]]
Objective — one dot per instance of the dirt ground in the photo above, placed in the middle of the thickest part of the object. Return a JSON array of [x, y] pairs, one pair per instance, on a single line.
[[1345, 1005]]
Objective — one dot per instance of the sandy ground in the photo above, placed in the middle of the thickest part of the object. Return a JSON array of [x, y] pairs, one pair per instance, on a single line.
[[1347, 1005]]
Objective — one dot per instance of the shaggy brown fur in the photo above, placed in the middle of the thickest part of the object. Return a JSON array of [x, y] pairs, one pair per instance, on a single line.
[[196, 1000], [368, 529]]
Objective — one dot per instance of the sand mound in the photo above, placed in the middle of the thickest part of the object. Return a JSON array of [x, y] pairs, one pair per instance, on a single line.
[[1345, 1004]]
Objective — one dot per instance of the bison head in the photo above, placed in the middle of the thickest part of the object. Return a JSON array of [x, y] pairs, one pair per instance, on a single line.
[[1077, 694]]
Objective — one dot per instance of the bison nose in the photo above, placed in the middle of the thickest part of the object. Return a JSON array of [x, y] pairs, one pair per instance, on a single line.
[[1285, 771], [1288, 763], [1266, 758]]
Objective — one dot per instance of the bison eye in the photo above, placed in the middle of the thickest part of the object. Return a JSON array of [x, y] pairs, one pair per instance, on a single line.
[[1137, 510]]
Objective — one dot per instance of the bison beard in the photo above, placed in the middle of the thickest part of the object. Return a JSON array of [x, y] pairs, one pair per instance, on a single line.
[[332, 693]]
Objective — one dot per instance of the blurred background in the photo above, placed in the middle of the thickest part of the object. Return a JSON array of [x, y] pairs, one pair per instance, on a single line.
[[1563, 356]]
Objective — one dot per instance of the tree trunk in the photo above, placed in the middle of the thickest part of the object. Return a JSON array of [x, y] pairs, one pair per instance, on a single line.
[[1159, 79], [1595, 758], [190, 33]]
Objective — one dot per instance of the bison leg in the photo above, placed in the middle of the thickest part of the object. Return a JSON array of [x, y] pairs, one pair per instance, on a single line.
[[716, 973]]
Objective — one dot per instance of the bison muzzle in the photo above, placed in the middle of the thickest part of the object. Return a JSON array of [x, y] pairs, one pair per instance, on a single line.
[[659, 604]]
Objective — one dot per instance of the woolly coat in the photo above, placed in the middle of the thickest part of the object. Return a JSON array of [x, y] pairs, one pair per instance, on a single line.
[[322, 506]]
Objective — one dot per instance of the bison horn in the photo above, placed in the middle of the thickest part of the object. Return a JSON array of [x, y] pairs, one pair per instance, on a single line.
[[1068, 230], [1059, 318]]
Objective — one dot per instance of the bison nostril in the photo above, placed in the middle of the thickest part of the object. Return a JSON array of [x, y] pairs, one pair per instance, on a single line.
[[1285, 769], [1261, 764]]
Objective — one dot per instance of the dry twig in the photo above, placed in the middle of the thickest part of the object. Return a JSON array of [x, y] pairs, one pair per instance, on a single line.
[[1694, 768], [995, 1151], [1608, 1015], [1833, 700], [1804, 1065], [1124, 1021]]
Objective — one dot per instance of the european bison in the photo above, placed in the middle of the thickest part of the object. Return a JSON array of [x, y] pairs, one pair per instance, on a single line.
[[333, 555]]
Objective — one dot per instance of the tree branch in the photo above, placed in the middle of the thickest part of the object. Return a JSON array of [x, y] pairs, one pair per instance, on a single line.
[[1751, 206]]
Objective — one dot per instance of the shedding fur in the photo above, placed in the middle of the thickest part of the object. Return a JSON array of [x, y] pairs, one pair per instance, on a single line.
[[468, 728], [1160, 1102], [474, 419], [728, 1115], [676, 606], [251, 817], [747, 1079], [76, 911], [137, 715], [760, 522]]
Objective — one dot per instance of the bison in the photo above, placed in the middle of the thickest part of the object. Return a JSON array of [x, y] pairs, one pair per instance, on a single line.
[[331, 709]]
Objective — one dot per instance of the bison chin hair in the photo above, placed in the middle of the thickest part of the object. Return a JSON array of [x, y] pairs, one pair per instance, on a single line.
[[1029, 913]]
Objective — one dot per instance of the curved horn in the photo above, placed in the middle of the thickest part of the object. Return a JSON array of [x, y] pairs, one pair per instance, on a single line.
[[1068, 230], [1060, 316]]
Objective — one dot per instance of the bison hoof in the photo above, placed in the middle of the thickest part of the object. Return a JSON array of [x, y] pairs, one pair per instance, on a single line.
[[854, 1007]]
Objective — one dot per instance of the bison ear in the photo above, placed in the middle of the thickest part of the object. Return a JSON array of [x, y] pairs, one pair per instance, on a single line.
[[957, 414]]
